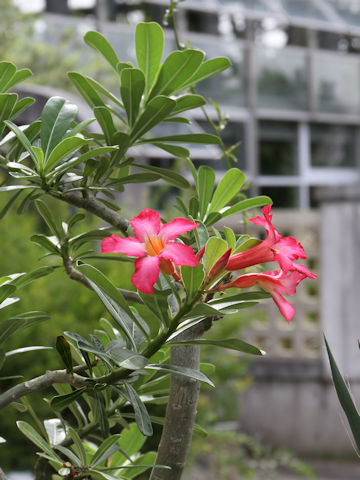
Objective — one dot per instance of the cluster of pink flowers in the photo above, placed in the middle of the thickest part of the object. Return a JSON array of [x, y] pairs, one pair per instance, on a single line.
[[155, 246]]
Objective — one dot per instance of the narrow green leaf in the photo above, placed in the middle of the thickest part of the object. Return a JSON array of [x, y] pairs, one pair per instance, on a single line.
[[105, 120], [149, 45], [7, 103], [186, 372], [78, 443], [43, 241], [125, 358], [205, 186], [188, 102], [21, 105], [228, 187], [105, 450], [57, 117], [69, 454], [86, 90], [24, 141], [143, 462], [11, 188], [19, 76], [63, 149], [208, 69], [255, 202], [6, 291], [141, 414], [36, 438], [64, 350], [155, 111], [167, 175], [53, 223], [132, 89], [345, 398], [59, 402], [230, 343], [201, 138], [131, 440], [101, 414], [98, 42], [177, 68], [7, 72], [175, 150]]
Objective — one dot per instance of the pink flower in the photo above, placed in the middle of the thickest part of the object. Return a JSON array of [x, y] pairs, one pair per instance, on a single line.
[[276, 283], [153, 244], [273, 248]]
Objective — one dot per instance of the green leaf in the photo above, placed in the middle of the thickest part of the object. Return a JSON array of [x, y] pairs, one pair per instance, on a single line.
[[136, 178], [59, 402], [63, 149], [225, 301], [167, 175], [6, 291], [255, 202], [117, 313], [131, 440], [18, 77], [36, 438], [228, 187], [21, 105], [205, 185], [186, 372], [57, 117], [96, 41], [215, 247], [230, 343], [24, 141], [53, 223], [7, 72], [11, 188], [156, 110], [101, 414], [11, 325], [132, 89], [192, 278], [141, 414], [43, 241], [105, 120], [149, 45], [345, 397], [144, 462], [175, 150], [78, 443], [86, 90], [7, 103], [125, 358], [177, 68], [29, 277], [188, 102], [69, 454], [105, 450], [64, 350], [207, 69], [201, 138]]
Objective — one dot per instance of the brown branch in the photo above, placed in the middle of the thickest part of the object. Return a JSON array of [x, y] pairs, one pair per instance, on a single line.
[[40, 383], [92, 205], [181, 410]]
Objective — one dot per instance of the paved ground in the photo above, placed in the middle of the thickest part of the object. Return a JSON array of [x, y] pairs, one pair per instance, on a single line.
[[326, 470]]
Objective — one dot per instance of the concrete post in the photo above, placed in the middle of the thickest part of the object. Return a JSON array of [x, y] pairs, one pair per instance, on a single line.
[[340, 283]]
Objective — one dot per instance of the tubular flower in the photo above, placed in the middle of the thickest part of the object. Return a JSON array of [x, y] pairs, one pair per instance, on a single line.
[[276, 283], [274, 248], [153, 244]]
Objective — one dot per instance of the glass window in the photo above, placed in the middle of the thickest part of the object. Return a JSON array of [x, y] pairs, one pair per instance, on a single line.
[[282, 78], [303, 9], [333, 145], [278, 148], [226, 88], [336, 83], [349, 10], [283, 197]]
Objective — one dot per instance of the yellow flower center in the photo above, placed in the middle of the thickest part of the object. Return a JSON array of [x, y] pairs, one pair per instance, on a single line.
[[154, 245]]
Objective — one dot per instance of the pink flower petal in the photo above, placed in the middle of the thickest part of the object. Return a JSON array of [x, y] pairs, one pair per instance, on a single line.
[[146, 273], [171, 230], [129, 246], [286, 309], [179, 254], [146, 224]]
